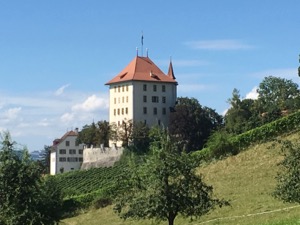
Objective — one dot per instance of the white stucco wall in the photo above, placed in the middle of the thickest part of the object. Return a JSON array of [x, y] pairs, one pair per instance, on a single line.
[[130, 96], [67, 164]]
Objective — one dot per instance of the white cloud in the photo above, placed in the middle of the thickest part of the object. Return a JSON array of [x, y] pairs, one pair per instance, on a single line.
[[61, 90], [67, 117], [43, 123], [12, 113], [225, 44], [35, 117], [252, 94], [92, 104]]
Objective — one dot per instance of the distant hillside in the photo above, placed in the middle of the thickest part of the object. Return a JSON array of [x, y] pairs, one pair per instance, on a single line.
[[247, 180]]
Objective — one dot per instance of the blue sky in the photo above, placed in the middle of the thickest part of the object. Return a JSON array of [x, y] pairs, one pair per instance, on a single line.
[[56, 56]]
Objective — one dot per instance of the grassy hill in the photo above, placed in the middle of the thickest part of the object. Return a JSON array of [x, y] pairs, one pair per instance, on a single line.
[[246, 180]]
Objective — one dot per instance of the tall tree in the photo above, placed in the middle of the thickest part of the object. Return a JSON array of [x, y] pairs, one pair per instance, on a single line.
[[278, 93], [46, 159], [103, 130], [242, 115], [192, 124], [24, 196], [95, 134], [165, 186]]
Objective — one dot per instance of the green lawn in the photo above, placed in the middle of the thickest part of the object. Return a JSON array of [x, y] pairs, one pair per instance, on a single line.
[[246, 180]]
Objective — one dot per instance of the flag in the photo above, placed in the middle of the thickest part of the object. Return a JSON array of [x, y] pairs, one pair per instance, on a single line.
[[142, 39]]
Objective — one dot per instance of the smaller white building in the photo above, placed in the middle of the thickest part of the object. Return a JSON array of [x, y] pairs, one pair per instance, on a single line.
[[66, 155]]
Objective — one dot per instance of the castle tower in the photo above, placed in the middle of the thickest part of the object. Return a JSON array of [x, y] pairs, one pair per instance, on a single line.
[[142, 92]]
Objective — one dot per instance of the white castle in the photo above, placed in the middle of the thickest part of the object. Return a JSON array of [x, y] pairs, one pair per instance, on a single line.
[[140, 92]]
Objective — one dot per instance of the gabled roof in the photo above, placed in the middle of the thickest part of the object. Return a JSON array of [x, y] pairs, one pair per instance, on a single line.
[[69, 133], [142, 69]]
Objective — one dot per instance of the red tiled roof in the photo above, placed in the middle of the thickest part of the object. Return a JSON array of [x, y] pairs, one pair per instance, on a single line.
[[143, 69], [69, 133]]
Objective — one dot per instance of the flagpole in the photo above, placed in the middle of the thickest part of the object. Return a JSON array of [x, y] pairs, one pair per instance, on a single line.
[[142, 41]]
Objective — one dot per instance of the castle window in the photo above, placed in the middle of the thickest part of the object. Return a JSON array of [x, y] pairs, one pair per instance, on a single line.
[[115, 87], [154, 98], [154, 87], [158, 122], [144, 98], [164, 111], [67, 143], [163, 99], [72, 151], [122, 111], [164, 88], [80, 159], [118, 111], [118, 88], [72, 159], [80, 151], [145, 110], [126, 110], [145, 87], [62, 159], [114, 112], [155, 111], [122, 88], [127, 87], [62, 151]]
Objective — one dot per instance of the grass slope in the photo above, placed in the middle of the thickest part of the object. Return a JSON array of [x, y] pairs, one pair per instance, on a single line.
[[246, 180]]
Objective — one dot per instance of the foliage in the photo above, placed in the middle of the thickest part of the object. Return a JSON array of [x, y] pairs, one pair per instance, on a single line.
[[45, 162], [242, 115], [140, 137], [288, 178], [278, 94], [95, 134], [164, 186], [86, 181], [191, 124], [220, 144], [268, 131], [260, 134], [25, 197]]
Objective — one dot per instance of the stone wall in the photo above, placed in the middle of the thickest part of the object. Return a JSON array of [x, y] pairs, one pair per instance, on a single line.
[[100, 157]]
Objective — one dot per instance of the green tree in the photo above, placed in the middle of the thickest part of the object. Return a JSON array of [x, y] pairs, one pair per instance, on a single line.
[[140, 137], [45, 161], [164, 186], [288, 177], [192, 124], [24, 196], [242, 115], [277, 94], [220, 145], [95, 134], [103, 130]]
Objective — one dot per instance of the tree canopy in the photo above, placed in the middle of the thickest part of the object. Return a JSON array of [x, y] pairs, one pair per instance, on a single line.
[[164, 186], [95, 134], [191, 124], [25, 196], [279, 92]]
